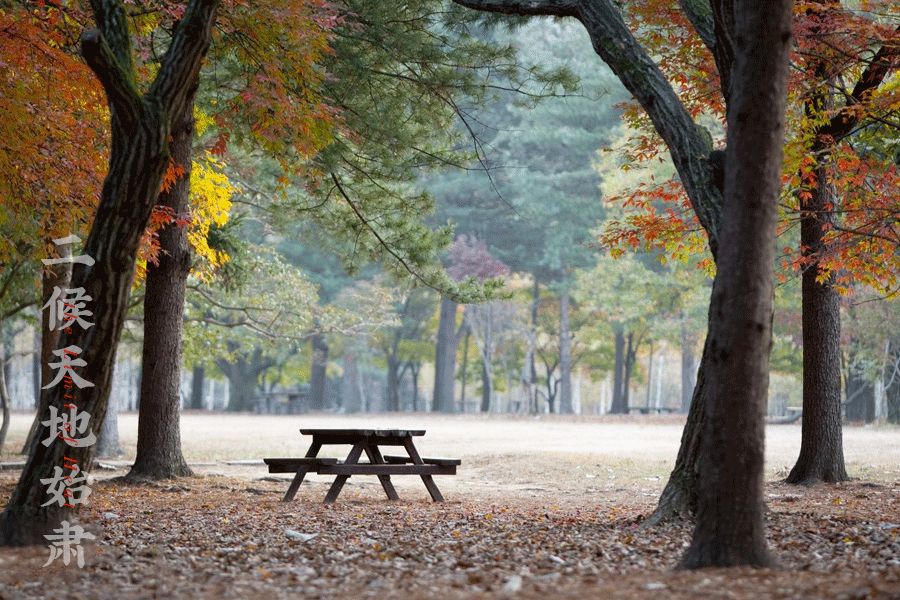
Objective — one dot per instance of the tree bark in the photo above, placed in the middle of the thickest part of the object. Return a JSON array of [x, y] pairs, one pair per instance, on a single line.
[[730, 530], [821, 448], [319, 372], [445, 359], [619, 406], [138, 158], [159, 430], [688, 369], [198, 385], [52, 276], [565, 355]]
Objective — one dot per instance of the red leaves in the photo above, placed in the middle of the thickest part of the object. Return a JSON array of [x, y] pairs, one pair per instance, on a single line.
[[173, 173]]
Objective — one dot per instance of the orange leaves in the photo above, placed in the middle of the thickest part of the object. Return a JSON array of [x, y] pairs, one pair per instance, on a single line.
[[53, 151], [173, 173]]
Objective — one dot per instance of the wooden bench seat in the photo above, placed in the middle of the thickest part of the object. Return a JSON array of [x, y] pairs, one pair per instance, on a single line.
[[292, 465], [388, 469], [446, 462]]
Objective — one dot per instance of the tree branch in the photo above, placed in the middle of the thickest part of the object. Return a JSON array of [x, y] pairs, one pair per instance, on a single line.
[[118, 82], [550, 8], [689, 144], [884, 61], [181, 63]]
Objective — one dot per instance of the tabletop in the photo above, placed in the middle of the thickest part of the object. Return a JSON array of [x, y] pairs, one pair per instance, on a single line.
[[364, 433]]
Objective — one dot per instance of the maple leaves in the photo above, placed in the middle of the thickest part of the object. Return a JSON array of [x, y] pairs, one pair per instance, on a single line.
[[53, 123], [862, 244]]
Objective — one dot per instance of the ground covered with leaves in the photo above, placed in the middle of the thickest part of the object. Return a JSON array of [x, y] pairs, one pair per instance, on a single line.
[[232, 537]]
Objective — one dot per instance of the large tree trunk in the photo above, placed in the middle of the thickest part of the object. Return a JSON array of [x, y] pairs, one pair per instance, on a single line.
[[565, 355], [730, 530], [619, 405], [688, 368], [52, 276], [679, 497], [138, 159], [319, 372], [198, 383], [159, 435], [821, 448], [445, 359]]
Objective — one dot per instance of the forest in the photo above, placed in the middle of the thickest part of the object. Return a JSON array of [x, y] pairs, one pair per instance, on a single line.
[[635, 263]]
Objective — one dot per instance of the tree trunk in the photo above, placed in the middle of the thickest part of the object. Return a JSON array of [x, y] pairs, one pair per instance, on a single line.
[[414, 370], [730, 530], [619, 405], [52, 276], [821, 448], [4, 395], [464, 372], [198, 383], [108, 440], [630, 356], [319, 372], [393, 384], [241, 387], [138, 158], [565, 355], [532, 344], [688, 369], [445, 359], [650, 376], [350, 384], [159, 430], [36, 368], [860, 399], [679, 497], [487, 384]]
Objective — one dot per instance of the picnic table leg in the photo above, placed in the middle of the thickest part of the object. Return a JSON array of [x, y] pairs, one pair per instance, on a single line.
[[301, 472], [375, 458], [340, 480], [426, 479]]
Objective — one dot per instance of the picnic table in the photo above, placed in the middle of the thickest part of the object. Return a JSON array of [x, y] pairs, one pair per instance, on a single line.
[[366, 441]]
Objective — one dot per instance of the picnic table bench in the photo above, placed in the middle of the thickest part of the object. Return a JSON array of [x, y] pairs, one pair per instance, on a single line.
[[365, 441]]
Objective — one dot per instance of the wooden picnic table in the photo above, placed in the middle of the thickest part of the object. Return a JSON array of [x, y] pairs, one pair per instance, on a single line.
[[365, 441]]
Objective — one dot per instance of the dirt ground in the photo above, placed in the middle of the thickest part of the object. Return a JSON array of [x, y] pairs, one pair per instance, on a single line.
[[542, 507]]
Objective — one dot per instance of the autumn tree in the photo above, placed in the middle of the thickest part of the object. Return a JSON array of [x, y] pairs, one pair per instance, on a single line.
[[830, 45], [730, 530], [139, 154]]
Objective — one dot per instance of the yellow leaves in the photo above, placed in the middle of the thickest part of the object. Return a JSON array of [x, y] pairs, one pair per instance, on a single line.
[[202, 121], [210, 202]]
